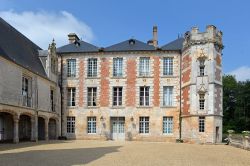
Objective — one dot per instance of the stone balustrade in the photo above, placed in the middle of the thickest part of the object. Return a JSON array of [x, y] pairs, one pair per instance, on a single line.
[[239, 140]]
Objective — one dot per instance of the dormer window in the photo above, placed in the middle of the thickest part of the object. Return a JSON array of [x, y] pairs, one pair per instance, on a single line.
[[202, 101], [131, 42], [202, 67]]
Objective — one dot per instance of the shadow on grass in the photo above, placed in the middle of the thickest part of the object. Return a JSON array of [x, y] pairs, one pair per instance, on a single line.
[[61, 157]]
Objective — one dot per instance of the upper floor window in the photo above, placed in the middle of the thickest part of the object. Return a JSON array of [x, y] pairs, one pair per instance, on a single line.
[[144, 96], [144, 66], [117, 96], [71, 96], [117, 67], [201, 124], [202, 101], [71, 68], [202, 67], [167, 95], [52, 104], [167, 66], [92, 67], [167, 125], [92, 96], [26, 91]]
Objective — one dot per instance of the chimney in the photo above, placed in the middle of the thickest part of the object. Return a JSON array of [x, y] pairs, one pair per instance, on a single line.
[[73, 38], [155, 36]]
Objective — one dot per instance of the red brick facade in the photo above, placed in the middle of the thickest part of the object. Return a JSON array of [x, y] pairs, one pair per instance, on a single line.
[[81, 78], [185, 98], [131, 80], [104, 95], [156, 99]]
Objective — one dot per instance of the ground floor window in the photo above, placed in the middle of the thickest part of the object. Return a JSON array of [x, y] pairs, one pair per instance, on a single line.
[[144, 125], [201, 124], [91, 125], [167, 125], [70, 124]]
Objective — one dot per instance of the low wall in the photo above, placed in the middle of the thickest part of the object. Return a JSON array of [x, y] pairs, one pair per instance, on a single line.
[[239, 140]]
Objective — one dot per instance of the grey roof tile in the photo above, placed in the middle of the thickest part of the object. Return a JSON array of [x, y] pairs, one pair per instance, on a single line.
[[15, 47], [174, 45], [130, 45], [81, 46]]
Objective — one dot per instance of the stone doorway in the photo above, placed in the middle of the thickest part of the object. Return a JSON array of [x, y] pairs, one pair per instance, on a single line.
[[52, 129], [24, 128], [6, 127], [118, 128], [41, 128]]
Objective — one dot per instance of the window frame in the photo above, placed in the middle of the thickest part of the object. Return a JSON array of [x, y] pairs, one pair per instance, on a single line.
[[71, 96], [117, 96], [144, 125], [26, 91], [167, 125], [168, 96], [117, 67], [71, 120], [92, 67], [202, 101], [202, 121], [144, 100], [71, 68], [144, 66], [202, 67], [91, 125], [168, 66], [91, 96]]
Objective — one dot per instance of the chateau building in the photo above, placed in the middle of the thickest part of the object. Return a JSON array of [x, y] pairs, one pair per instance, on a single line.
[[127, 91], [141, 91]]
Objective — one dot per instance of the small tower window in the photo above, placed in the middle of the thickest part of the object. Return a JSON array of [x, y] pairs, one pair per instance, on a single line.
[[202, 101], [202, 67]]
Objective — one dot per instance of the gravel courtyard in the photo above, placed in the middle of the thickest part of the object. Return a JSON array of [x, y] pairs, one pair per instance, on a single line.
[[80, 152]]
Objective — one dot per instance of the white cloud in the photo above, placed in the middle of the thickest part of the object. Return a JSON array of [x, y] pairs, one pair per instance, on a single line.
[[41, 27], [242, 73]]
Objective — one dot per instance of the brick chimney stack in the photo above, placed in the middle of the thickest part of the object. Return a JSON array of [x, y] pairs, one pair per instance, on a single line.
[[155, 36], [73, 38]]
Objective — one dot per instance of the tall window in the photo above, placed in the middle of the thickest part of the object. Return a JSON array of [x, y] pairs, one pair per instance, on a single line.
[[201, 124], [167, 125], [167, 95], [92, 96], [92, 67], [167, 66], [117, 96], [71, 96], [144, 66], [26, 91], [71, 67], [52, 105], [144, 96], [117, 67], [144, 125], [91, 125], [70, 124], [202, 67], [202, 101]]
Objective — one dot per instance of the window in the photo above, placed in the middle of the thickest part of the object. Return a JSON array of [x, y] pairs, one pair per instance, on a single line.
[[117, 96], [202, 67], [70, 124], [92, 67], [167, 66], [144, 96], [201, 124], [167, 125], [71, 96], [91, 125], [167, 95], [71, 67], [92, 96], [52, 106], [202, 101], [144, 125], [144, 66], [26, 91], [117, 67]]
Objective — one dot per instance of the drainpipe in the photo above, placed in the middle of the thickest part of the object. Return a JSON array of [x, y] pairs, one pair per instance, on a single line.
[[180, 114]]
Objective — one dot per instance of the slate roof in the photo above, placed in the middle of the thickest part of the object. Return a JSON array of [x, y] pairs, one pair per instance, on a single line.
[[174, 45], [17, 48], [130, 45], [81, 46]]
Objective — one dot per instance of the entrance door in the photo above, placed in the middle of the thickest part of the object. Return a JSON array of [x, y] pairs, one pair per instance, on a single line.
[[117, 126], [217, 135]]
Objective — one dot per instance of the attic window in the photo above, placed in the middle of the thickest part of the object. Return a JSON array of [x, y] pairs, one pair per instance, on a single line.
[[131, 42]]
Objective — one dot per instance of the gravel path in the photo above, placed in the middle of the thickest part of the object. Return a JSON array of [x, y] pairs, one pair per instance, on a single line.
[[102, 153]]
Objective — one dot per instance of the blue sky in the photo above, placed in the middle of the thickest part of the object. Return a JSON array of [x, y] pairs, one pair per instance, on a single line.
[[104, 23]]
